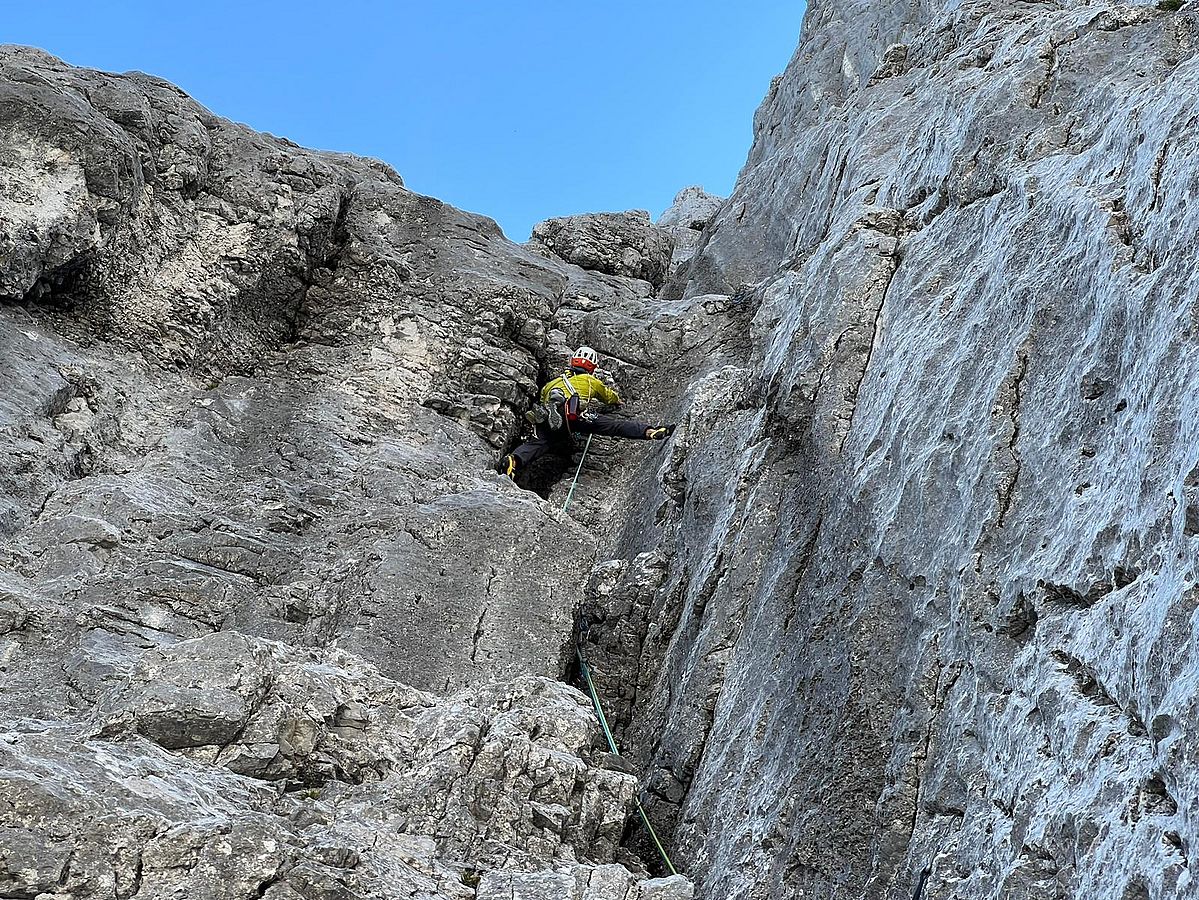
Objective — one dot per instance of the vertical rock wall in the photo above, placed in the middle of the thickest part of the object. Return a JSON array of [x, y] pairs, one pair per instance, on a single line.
[[918, 621], [270, 623]]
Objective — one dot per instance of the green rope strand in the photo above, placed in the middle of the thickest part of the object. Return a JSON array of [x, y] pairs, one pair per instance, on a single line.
[[603, 720], [599, 710], [595, 700], [657, 843], [571, 492]]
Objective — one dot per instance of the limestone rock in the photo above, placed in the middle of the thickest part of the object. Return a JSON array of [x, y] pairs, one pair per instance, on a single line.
[[261, 390], [923, 627], [692, 211], [499, 777], [582, 883], [693, 208], [903, 609], [626, 244], [249, 406]]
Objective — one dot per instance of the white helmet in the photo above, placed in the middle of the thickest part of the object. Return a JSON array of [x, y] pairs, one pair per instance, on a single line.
[[585, 358]]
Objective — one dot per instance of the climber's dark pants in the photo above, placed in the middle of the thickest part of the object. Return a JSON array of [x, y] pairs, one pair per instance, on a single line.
[[546, 441], [611, 426]]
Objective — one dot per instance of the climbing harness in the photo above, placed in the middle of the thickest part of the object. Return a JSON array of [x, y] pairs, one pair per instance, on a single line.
[[571, 492], [572, 402], [603, 720]]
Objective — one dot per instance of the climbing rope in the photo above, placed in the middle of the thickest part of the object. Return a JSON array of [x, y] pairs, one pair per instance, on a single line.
[[571, 492], [603, 720], [595, 700]]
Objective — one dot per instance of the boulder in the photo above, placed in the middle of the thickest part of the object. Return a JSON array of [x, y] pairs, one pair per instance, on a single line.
[[626, 244]]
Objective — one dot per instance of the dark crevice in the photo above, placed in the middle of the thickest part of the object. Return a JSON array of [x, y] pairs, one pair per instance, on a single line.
[[136, 885], [592, 624], [895, 260], [918, 892], [68, 288], [1086, 681], [1049, 57], [270, 312], [1088, 596], [1007, 491], [324, 250], [478, 634], [1021, 621], [1156, 799], [269, 882], [1155, 175]]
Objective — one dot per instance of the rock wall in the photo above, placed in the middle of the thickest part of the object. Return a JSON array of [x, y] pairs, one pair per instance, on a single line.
[[270, 624], [919, 620]]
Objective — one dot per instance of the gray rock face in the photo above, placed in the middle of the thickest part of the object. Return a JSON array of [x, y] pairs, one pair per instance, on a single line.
[[249, 403], [260, 394], [626, 244], [401, 790], [693, 208], [692, 211], [918, 619], [579, 883]]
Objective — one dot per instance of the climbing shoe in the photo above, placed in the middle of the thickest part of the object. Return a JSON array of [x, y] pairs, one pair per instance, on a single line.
[[659, 432], [536, 415], [507, 465], [553, 416]]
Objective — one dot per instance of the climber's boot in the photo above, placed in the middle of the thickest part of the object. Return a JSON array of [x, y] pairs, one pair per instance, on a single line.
[[507, 466], [659, 432]]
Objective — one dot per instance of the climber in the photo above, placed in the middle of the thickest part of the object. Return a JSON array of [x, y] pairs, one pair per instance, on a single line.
[[565, 410]]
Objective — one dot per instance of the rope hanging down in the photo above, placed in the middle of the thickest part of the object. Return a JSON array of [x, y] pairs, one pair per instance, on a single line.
[[571, 492], [603, 720], [599, 709]]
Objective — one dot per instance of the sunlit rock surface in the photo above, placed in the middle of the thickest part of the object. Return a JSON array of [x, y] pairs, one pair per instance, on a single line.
[[692, 211], [920, 620], [270, 625]]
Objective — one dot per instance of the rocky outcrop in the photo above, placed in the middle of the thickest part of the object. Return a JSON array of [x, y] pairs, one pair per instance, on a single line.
[[269, 623], [693, 208], [388, 791], [692, 211], [260, 396], [626, 244]]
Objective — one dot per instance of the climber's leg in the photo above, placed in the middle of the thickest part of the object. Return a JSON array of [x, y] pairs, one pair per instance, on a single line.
[[543, 441], [612, 426]]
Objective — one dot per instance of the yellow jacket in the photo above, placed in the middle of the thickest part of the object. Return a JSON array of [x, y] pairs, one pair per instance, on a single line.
[[586, 386]]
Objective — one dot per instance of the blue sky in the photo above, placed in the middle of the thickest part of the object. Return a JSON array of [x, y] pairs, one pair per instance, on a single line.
[[521, 110]]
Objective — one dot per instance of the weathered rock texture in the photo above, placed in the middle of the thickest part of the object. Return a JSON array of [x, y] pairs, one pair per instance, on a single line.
[[625, 244], [919, 619], [905, 609], [394, 790], [250, 397], [692, 211]]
